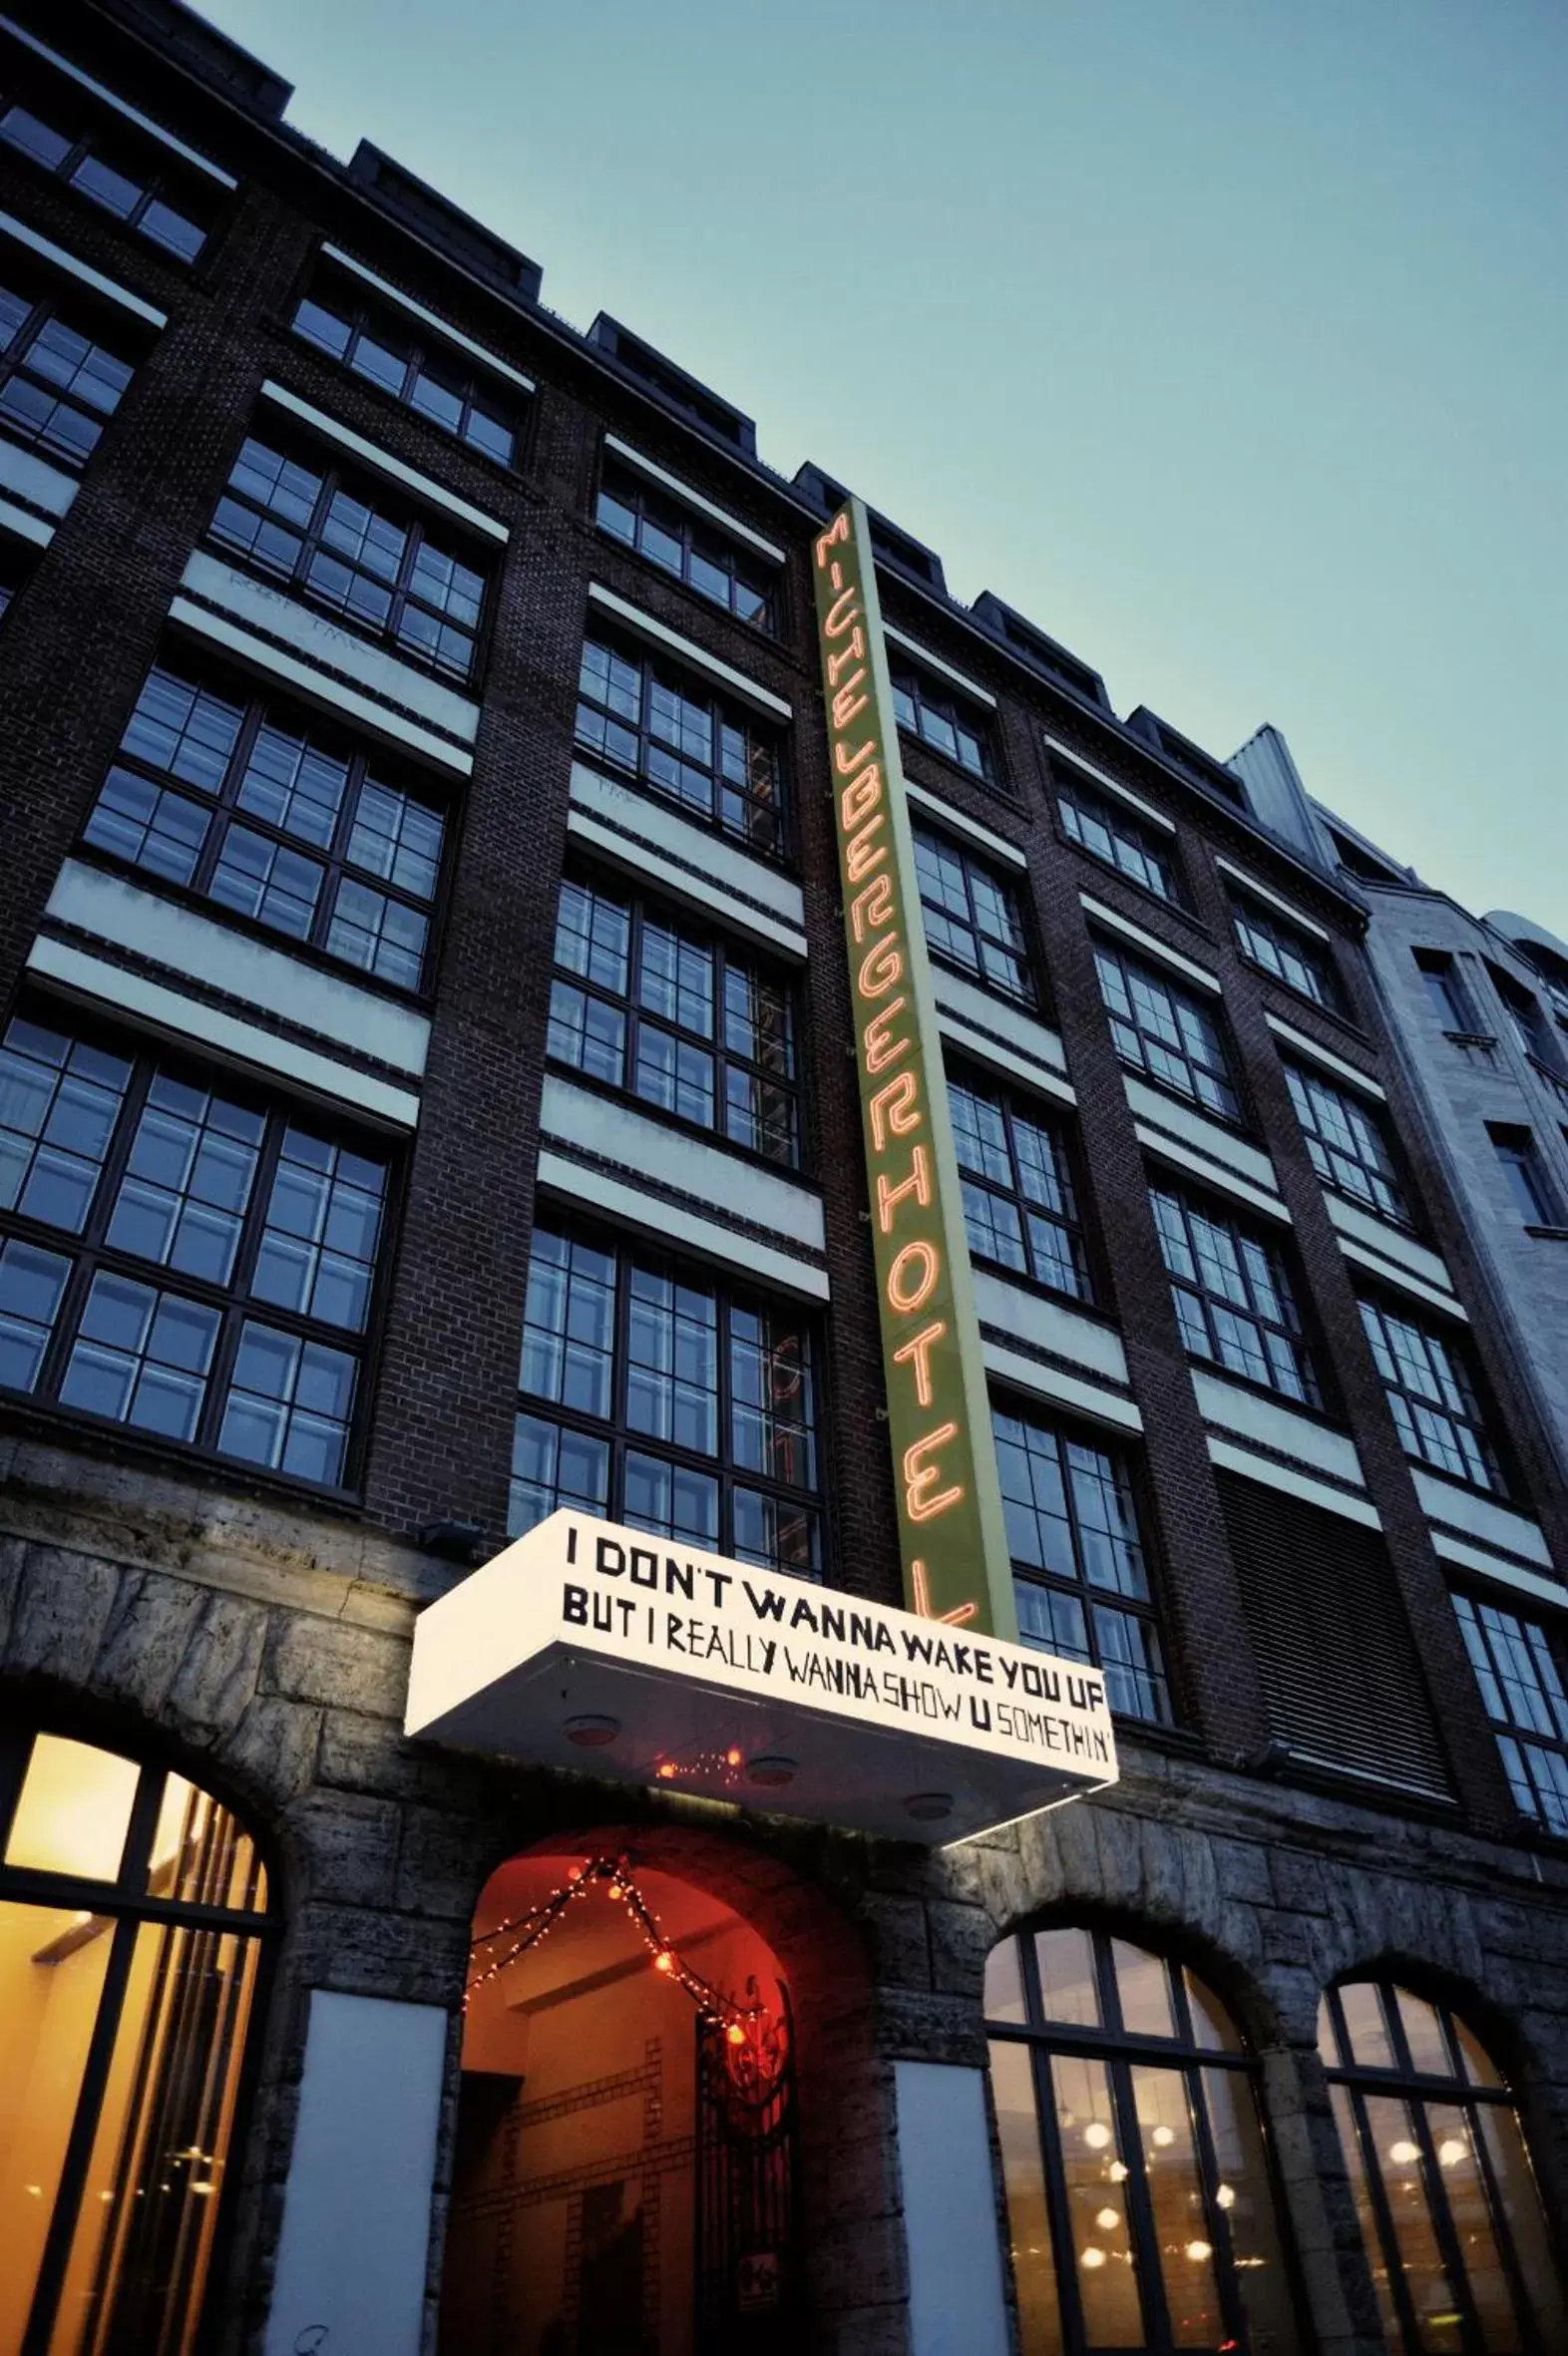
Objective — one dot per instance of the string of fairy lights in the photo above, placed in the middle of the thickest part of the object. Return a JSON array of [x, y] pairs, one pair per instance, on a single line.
[[614, 1877]]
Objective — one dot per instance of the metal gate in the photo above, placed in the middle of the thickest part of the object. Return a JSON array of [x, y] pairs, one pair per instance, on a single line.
[[748, 2277]]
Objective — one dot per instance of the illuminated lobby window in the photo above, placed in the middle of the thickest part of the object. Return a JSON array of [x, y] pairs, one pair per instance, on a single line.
[[133, 1915], [1139, 2206], [1449, 2212]]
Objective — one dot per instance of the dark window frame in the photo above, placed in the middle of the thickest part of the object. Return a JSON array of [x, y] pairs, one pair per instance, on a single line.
[[1387, 1194], [1405, 2082], [1449, 993], [401, 515], [363, 315], [1467, 1415], [1212, 1305], [1529, 1181], [622, 486], [760, 739], [1013, 1107], [71, 309], [1145, 1611], [1024, 990], [1254, 922], [1119, 2050], [90, 1253], [222, 811], [618, 1438], [1543, 1640], [1129, 967], [1151, 849], [162, 181], [728, 955], [935, 705]]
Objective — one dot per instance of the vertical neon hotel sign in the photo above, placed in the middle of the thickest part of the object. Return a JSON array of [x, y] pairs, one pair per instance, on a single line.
[[950, 1529]]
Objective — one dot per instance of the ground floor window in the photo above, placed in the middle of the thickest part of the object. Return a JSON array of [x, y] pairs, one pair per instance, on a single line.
[[133, 1917], [1140, 2201], [1451, 2214]]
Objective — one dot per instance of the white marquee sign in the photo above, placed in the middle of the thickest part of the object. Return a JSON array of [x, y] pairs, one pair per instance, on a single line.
[[590, 1646]]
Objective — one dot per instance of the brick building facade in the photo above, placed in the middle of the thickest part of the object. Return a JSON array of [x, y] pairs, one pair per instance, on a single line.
[[423, 941]]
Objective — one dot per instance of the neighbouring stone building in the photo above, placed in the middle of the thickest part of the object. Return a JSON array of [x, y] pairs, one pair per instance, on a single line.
[[427, 1102]]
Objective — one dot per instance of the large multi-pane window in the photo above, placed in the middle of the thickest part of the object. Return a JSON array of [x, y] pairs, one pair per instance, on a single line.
[[648, 1002], [1522, 1689], [1431, 1397], [1290, 955], [1446, 987], [1234, 1303], [1109, 832], [134, 1918], [657, 1395], [1524, 1173], [179, 1258], [1141, 2208], [697, 552], [262, 810], [973, 917], [1448, 2206], [141, 183], [328, 537], [1019, 1202], [943, 717], [58, 385], [1345, 1142], [1163, 1031], [1079, 1574], [421, 370], [652, 720]]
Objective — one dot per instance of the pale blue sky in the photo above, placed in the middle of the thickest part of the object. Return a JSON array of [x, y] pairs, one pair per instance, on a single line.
[[1228, 339]]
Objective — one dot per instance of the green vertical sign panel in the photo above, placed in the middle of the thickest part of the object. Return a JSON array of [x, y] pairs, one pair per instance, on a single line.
[[951, 1530]]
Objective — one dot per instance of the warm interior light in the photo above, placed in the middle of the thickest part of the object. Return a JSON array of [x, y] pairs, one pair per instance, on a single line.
[[1107, 2220], [1096, 2135], [1402, 2153], [735, 2032], [1117, 2171], [591, 1734], [1163, 2136], [74, 1809], [1451, 2151], [613, 1890], [733, 1758], [1198, 2251], [1091, 2257], [1226, 2196], [663, 1961]]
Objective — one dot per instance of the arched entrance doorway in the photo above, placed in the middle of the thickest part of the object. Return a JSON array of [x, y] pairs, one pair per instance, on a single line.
[[626, 2178]]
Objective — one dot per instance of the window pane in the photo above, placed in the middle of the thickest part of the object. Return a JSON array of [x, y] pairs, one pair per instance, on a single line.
[[1028, 2219], [1243, 2192], [73, 1811], [1096, 2203], [1365, 2027], [289, 1404], [1144, 1990], [1181, 2228], [1453, 2135], [1004, 1983], [1212, 2026], [32, 1284], [1409, 2208], [141, 1356], [1070, 1990], [1524, 2219], [551, 1468], [569, 1323], [1366, 2215], [1423, 2035]]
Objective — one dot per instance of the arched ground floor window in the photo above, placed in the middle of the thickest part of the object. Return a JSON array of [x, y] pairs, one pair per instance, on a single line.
[[1451, 2214], [133, 1917], [1140, 2201]]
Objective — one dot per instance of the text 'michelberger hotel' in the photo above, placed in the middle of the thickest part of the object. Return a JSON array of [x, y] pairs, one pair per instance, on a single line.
[[771, 1574]]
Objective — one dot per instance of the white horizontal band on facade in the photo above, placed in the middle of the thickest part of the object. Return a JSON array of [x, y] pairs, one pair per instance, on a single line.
[[1230, 1458], [428, 319], [1491, 1566], [1390, 1273], [671, 1222], [935, 662], [1375, 1234], [1042, 1324], [976, 1048], [981, 1010], [1272, 1423], [1108, 784], [349, 661], [1062, 1390], [1150, 943], [645, 626], [1264, 892], [959, 823], [35, 481], [695, 500], [330, 1005], [121, 105], [1309, 1048], [60, 259], [371, 454], [23, 525], [1210, 1141], [730, 1184], [657, 823], [226, 1035], [1179, 1157], [644, 863], [1476, 1516]]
